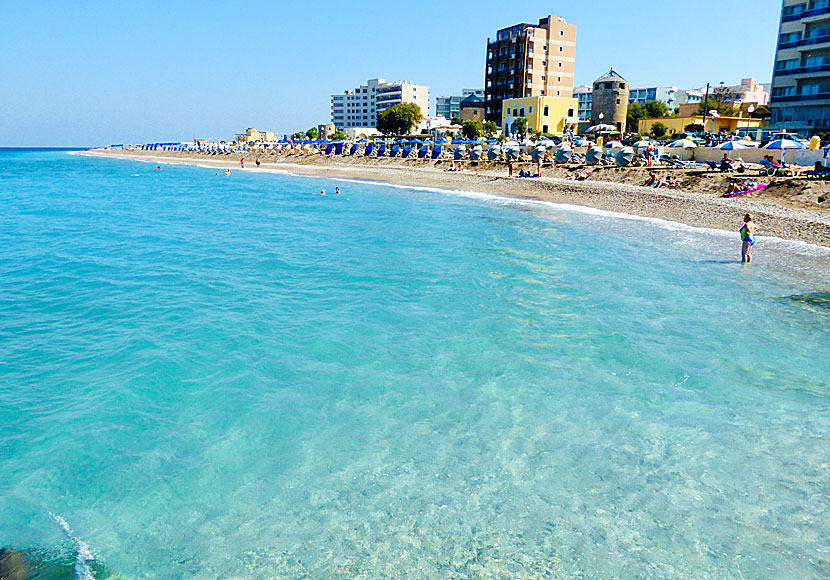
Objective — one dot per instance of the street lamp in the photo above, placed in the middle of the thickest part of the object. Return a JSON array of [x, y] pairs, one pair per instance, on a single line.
[[749, 111], [714, 114]]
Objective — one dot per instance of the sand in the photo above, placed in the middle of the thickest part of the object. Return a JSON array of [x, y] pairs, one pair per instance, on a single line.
[[792, 209]]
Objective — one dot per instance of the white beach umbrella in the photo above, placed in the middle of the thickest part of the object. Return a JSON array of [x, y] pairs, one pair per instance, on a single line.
[[641, 144], [614, 145], [601, 127], [683, 144]]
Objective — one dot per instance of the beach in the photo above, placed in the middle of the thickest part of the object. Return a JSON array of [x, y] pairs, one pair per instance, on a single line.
[[788, 209]]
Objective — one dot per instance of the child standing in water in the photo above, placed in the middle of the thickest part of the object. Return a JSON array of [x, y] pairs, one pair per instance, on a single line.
[[748, 239]]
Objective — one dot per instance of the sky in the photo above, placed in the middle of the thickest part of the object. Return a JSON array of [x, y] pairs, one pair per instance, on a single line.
[[95, 73]]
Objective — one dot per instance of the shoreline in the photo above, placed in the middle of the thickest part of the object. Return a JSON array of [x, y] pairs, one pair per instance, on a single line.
[[776, 218]]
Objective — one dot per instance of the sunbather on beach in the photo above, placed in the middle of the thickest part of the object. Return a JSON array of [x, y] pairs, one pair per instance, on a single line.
[[652, 179], [744, 185]]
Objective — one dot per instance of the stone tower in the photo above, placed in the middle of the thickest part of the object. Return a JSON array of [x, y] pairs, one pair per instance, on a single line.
[[610, 99]]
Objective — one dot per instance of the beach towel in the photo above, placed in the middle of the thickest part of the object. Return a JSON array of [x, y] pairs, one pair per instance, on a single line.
[[758, 187]]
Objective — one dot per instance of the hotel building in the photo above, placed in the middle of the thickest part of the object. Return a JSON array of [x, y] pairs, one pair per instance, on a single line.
[[450, 106], [800, 100], [360, 107], [529, 60]]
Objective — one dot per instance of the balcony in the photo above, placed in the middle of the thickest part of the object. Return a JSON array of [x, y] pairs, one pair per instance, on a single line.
[[810, 41], [800, 70], [800, 97], [806, 14]]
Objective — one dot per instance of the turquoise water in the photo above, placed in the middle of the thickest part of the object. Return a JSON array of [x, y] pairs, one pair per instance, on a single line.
[[235, 377]]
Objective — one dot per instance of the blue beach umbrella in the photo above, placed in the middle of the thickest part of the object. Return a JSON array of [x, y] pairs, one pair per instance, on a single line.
[[732, 146], [784, 144]]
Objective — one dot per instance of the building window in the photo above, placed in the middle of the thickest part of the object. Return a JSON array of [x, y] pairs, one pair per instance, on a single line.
[[560, 49], [618, 101], [530, 109], [560, 65], [557, 93], [546, 111], [544, 128]]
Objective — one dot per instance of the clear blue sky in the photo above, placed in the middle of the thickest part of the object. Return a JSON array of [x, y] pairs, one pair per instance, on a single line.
[[94, 73]]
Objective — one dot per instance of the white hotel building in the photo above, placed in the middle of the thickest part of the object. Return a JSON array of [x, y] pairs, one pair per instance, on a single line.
[[360, 107]]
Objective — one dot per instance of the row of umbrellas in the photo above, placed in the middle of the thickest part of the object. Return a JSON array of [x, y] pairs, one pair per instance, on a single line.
[[728, 146]]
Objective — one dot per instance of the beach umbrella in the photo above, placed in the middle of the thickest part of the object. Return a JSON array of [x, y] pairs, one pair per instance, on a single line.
[[594, 155], [784, 144], [564, 153], [683, 144], [476, 152], [460, 152], [624, 156], [732, 145], [601, 127], [494, 152], [641, 144], [538, 152], [614, 145]]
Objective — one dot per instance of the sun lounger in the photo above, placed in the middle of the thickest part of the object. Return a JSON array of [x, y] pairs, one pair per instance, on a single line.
[[406, 151], [818, 174], [382, 151], [353, 150], [369, 148], [329, 149], [394, 151], [436, 152], [423, 152]]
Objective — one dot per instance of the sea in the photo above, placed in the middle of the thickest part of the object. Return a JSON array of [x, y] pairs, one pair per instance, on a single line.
[[236, 377]]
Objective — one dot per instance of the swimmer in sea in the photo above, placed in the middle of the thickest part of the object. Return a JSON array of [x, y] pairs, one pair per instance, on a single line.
[[337, 190], [227, 172], [323, 192], [747, 239]]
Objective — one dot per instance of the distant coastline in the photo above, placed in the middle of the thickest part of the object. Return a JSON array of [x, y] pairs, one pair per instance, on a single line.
[[780, 218]]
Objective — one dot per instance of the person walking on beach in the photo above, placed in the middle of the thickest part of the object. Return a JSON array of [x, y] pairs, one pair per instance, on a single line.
[[257, 161], [242, 163], [510, 166], [747, 239]]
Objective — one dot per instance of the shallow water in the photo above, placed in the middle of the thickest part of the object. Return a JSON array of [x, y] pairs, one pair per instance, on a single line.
[[235, 377]]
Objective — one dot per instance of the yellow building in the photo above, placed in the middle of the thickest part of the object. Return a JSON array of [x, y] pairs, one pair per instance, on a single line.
[[550, 115], [679, 124]]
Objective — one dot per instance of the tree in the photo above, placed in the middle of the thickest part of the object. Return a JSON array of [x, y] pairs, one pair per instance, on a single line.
[[471, 129], [656, 109], [693, 128], [659, 130], [311, 133], [339, 136], [650, 110], [520, 125], [635, 113], [297, 135], [490, 129], [399, 119], [456, 120], [718, 101]]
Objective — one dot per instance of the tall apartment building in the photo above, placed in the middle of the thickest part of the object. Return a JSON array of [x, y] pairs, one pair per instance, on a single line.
[[585, 97], [800, 99], [360, 107], [529, 60], [450, 106]]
